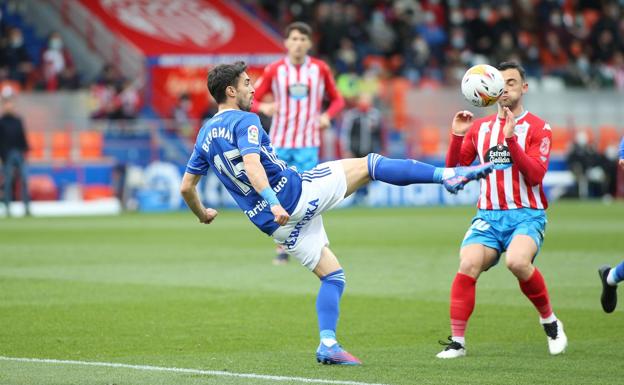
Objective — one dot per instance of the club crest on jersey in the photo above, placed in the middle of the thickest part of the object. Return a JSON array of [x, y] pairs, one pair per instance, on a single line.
[[499, 155], [298, 91], [253, 134]]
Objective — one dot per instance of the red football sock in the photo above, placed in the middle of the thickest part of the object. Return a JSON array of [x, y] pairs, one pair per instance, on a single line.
[[462, 302], [535, 290]]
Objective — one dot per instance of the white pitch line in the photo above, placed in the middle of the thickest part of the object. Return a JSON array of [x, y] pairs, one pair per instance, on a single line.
[[184, 370]]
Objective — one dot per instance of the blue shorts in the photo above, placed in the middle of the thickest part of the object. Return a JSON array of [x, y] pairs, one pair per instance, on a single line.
[[496, 228], [304, 159]]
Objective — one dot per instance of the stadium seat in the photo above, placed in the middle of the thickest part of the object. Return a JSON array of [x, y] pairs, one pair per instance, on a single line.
[[97, 191], [561, 140], [607, 136], [429, 140], [61, 145], [90, 144], [36, 145]]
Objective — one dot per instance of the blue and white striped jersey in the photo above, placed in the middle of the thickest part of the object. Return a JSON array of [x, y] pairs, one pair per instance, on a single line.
[[221, 144]]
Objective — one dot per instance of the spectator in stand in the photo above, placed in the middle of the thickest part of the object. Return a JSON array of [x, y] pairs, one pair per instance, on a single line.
[[14, 58], [69, 79], [181, 116], [553, 57], [126, 102], [54, 60], [361, 132], [13, 148]]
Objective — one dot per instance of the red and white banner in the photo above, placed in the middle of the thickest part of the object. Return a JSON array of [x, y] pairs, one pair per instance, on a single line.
[[185, 27]]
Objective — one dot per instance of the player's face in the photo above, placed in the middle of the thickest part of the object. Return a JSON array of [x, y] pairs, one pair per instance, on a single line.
[[297, 44], [514, 88], [244, 92]]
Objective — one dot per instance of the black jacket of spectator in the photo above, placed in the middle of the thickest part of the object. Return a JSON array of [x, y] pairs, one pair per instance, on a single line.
[[12, 135]]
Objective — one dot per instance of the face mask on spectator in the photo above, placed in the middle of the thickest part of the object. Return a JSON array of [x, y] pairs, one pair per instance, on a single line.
[[16, 41], [56, 44], [458, 42]]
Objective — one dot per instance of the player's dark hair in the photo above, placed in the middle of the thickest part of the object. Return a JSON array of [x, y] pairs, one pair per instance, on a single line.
[[222, 76], [300, 26], [508, 65]]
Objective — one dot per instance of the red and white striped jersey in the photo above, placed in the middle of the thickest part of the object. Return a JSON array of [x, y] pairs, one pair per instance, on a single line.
[[298, 93], [528, 152]]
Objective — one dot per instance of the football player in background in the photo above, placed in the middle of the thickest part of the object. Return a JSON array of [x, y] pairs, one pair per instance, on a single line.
[[511, 215], [298, 83], [610, 277], [285, 204]]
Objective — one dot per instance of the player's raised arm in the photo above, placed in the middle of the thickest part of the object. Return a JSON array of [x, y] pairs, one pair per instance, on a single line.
[[188, 190], [532, 162], [258, 178], [461, 149]]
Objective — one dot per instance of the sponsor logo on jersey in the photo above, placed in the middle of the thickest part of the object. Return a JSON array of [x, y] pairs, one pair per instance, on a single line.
[[253, 134], [499, 155], [298, 91], [545, 146]]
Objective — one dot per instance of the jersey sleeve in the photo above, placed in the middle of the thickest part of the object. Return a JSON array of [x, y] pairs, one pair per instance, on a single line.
[[533, 162], [622, 148], [197, 164], [249, 133], [462, 150]]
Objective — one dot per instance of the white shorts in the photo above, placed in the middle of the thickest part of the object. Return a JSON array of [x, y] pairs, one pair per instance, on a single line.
[[304, 236]]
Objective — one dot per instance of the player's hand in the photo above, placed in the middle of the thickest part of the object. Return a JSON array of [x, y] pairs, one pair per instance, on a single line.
[[621, 163], [209, 216], [324, 121], [461, 123], [510, 123], [281, 215], [268, 109]]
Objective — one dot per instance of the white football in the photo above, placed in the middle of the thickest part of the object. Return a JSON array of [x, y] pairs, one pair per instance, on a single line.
[[482, 85]]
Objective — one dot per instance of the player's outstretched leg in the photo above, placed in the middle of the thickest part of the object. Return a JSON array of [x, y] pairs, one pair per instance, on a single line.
[[610, 278], [329, 351], [402, 172]]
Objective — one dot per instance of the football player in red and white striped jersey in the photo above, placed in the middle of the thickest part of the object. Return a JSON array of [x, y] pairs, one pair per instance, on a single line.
[[298, 83], [511, 209]]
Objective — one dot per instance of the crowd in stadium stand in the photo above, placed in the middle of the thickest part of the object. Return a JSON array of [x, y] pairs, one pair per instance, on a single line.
[[432, 42], [52, 70]]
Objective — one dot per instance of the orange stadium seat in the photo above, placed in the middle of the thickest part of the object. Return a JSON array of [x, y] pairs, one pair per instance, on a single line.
[[561, 139], [607, 136], [36, 145], [90, 144], [429, 139], [61, 145]]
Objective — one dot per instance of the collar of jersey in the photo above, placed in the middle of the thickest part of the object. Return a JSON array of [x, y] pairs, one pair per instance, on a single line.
[[222, 111]]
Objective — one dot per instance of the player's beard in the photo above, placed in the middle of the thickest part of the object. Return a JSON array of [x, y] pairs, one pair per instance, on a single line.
[[244, 104], [510, 103]]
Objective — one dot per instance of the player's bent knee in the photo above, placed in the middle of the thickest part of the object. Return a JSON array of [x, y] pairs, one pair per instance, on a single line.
[[517, 264], [470, 266]]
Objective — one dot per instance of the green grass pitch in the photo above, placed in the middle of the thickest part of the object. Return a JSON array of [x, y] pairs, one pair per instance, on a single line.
[[163, 290]]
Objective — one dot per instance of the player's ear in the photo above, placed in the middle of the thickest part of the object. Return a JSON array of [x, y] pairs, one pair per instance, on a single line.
[[230, 91]]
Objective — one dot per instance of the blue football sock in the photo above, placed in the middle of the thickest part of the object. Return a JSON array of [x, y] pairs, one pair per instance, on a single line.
[[618, 273], [402, 172], [327, 303]]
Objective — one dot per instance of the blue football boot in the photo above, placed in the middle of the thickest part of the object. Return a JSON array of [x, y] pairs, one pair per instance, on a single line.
[[463, 175], [335, 355]]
